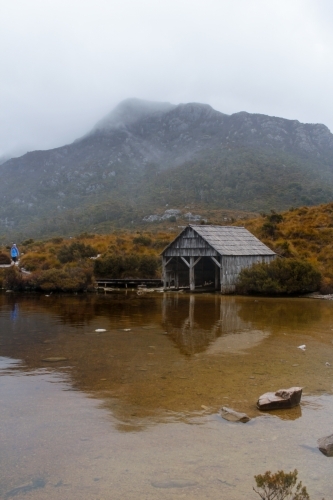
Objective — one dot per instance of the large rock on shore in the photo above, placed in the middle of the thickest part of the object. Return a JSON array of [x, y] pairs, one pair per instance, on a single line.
[[283, 398], [325, 445], [233, 416]]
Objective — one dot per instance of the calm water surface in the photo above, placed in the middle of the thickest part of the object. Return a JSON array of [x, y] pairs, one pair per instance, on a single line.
[[133, 412]]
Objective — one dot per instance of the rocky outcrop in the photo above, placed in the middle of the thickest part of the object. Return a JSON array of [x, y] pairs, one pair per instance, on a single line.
[[283, 398], [234, 416], [325, 444]]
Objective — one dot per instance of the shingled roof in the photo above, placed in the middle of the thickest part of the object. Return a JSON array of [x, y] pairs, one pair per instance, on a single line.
[[229, 240]]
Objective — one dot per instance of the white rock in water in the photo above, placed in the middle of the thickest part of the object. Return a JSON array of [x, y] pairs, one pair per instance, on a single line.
[[233, 416], [303, 347], [100, 330], [325, 445]]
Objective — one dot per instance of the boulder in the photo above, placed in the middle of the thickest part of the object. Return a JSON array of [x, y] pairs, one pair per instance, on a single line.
[[325, 444], [284, 398], [233, 416]]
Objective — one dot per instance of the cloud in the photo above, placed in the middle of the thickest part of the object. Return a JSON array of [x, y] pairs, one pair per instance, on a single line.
[[65, 65]]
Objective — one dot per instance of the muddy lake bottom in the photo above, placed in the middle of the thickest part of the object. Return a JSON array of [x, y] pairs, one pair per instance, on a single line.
[[118, 396]]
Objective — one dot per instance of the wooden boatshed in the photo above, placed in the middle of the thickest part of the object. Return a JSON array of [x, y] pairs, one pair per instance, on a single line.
[[211, 256]]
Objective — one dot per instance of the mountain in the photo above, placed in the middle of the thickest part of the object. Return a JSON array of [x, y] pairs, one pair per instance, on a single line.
[[146, 155]]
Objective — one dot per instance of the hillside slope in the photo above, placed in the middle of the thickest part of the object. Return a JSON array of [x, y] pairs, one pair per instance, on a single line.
[[305, 233], [144, 156]]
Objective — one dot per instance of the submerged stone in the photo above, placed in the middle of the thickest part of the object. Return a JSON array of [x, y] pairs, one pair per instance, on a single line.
[[325, 444], [54, 358], [234, 416], [283, 398], [174, 483]]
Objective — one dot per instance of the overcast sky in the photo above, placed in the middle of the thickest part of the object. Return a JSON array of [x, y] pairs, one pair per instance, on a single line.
[[64, 64]]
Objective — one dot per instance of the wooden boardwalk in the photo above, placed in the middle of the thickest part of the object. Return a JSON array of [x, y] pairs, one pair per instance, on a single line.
[[128, 283]]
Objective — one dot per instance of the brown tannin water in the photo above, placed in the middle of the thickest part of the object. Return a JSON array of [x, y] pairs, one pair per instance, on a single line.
[[117, 396]]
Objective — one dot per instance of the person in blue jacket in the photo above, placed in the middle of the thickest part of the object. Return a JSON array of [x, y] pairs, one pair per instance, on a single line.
[[14, 253]]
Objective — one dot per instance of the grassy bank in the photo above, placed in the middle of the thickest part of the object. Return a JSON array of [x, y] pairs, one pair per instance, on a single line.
[[304, 233], [72, 264]]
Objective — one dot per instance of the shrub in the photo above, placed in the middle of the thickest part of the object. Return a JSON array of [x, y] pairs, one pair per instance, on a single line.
[[33, 260], [326, 286], [142, 240], [148, 266], [280, 485], [125, 266], [160, 244], [283, 248], [75, 251], [68, 279], [2, 273], [30, 241], [268, 229], [13, 279], [4, 259], [270, 226], [86, 235], [282, 276], [57, 239]]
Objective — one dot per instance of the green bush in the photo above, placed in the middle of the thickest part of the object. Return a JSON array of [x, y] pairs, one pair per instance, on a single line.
[[75, 251], [270, 226], [280, 277], [142, 240], [127, 266], [67, 279]]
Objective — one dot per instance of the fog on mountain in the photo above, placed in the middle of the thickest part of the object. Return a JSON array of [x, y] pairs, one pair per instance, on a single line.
[[144, 156]]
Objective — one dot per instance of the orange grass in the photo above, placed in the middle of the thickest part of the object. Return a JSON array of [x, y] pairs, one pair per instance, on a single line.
[[305, 233]]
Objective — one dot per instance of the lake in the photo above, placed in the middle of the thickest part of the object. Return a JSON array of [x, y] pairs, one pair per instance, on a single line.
[[132, 411]]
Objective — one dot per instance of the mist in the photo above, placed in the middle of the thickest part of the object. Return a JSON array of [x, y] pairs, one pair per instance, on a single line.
[[66, 65]]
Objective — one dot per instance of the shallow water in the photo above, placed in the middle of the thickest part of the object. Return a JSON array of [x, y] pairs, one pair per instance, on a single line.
[[133, 412]]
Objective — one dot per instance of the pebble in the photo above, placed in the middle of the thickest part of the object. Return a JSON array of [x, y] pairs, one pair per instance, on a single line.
[[100, 330]]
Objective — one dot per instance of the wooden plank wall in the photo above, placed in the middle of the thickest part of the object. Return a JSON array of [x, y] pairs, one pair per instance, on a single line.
[[232, 266]]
